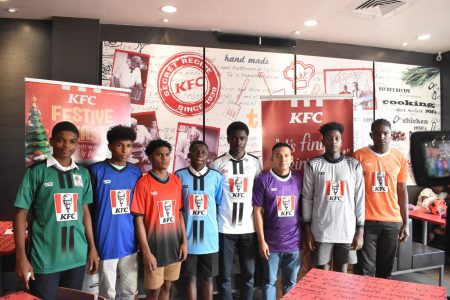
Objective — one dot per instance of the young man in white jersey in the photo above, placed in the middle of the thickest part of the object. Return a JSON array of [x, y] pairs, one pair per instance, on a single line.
[[333, 203], [235, 213]]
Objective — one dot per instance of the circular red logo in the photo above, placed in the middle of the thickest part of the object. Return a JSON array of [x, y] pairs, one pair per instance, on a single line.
[[180, 84]]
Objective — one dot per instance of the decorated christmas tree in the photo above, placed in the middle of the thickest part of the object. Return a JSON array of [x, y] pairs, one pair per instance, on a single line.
[[36, 140]]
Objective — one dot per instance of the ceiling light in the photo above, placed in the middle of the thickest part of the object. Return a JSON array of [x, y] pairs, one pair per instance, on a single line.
[[12, 10], [310, 23], [296, 32], [168, 9], [424, 37], [165, 20], [404, 44]]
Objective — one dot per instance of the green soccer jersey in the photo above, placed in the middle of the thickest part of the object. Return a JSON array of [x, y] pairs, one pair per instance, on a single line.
[[55, 201]]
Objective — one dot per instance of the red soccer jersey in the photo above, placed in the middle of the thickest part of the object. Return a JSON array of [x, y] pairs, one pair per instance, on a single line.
[[160, 204]]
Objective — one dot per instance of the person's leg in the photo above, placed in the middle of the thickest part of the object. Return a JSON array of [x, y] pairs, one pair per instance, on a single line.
[[171, 273], [290, 265], [153, 280], [208, 267], [73, 278], [128, 270], [368, 254], [387, 249], [227, 244], [322, 255], [270, 272], [164, 293], [247, 249], [188, 275], [45, 285], [343, 255], [107, 274]]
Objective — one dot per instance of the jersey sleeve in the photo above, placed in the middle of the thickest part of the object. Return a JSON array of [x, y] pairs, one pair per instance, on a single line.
[[27, 189], [258, 167], [403, 174], [179, 193], [258, 192], [307, 194], [139, 197], [359, 196]]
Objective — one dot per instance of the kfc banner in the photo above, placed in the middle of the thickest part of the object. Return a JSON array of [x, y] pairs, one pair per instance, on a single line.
[[93, 109], [296, 120]]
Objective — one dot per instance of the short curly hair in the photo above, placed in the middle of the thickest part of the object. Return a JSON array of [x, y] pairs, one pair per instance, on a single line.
[[120, 133], [238, 125], [155, 144], [325, 128], [379, 122]]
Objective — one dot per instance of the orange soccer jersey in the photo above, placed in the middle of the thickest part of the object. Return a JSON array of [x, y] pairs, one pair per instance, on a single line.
[[382, 172], [160, 204]]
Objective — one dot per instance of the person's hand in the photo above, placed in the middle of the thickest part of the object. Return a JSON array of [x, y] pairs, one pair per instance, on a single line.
[[93, 261], [264, 250], [404, 233], [309, 240], [183, 251], [358, 239], [150, 261], [24, 270]]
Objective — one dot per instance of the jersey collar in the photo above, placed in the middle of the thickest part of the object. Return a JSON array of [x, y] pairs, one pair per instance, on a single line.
[[198, 173], [51, 161]]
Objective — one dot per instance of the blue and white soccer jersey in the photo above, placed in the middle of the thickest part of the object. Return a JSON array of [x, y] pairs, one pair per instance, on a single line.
[[235, 214], [201, 195], [113, 224]]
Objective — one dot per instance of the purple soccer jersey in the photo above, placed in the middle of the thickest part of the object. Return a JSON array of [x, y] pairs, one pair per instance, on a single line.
[[280, 199]]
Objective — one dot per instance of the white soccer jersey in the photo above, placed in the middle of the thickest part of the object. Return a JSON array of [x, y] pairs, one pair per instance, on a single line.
[[333, 198], [235, 213]]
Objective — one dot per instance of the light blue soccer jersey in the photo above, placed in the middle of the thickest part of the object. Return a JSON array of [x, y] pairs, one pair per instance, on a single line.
[[201, 194]]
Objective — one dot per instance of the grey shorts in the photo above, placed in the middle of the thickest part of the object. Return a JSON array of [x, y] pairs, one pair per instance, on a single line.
[[340, 252]]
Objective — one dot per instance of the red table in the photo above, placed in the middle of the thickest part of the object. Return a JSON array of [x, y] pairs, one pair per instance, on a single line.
[[20, 296], [320, 284], [420, 214]]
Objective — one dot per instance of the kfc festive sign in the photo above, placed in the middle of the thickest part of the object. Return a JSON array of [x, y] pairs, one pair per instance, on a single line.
[[93, 109], [296, 120]]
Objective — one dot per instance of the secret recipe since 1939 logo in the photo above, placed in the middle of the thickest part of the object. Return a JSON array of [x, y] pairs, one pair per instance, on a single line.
[[180, 84]]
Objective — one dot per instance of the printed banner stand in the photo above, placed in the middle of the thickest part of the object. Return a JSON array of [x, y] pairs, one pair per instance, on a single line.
[[296, 120], [93, 109]]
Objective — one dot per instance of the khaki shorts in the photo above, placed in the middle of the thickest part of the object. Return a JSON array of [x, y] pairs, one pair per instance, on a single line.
[[154, 279], [340, 252]]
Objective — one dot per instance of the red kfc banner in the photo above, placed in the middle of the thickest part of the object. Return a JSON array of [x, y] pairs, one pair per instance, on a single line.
[[296, 120], [93, 109]]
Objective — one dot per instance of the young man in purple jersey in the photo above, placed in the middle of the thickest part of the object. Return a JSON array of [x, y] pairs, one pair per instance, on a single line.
[[276, 202]]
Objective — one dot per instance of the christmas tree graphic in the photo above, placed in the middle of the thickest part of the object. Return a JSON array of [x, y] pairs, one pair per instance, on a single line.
[[36, 140]]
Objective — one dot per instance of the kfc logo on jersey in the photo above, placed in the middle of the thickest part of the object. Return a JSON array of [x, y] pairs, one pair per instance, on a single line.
[[66, 206], [285, 206], [198, 204], [238, 187], [335, 190], [77, 180], [379, 182], [120, 201], [166, 210]]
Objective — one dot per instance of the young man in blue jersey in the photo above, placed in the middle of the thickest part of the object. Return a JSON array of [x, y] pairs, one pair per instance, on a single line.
[[113, 182], [55, 193], [202, 191], [276, 200]]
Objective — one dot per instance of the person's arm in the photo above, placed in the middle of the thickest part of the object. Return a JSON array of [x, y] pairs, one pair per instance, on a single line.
[[358, 238], [93, 258], [307, 205], [402, 194], [258, 216], [183, 251], [23, 266], [148, 257]]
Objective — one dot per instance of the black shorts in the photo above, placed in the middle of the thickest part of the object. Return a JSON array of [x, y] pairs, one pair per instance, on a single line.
[[201, 265]]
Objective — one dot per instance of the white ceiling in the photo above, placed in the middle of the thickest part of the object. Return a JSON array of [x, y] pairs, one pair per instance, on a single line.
[[277, 18]]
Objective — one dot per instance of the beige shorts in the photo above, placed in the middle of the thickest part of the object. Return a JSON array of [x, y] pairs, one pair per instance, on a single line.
[[154, 279]]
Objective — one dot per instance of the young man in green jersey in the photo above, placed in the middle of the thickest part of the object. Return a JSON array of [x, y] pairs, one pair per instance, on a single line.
[[54, 197]]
